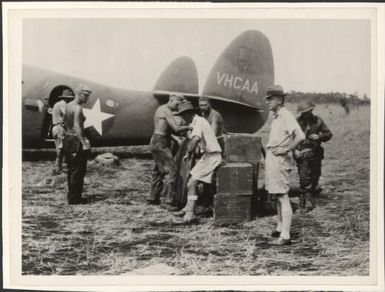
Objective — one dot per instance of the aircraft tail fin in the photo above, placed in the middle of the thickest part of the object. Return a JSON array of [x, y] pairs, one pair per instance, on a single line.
[[180, 76], [243, 71]]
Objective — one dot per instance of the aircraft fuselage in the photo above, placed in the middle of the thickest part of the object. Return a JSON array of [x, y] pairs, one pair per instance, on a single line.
[[118, 117]]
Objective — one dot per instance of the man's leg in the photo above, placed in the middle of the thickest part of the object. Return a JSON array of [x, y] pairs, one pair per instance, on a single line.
[[79, 168], [316, 174], [192, 198], [286, 213], [156, 189], [286, 217], [58, 134], [156, 186], [59, 156], [59, 160], [305, 181], [170, 178], [70, 161], [279, 215]]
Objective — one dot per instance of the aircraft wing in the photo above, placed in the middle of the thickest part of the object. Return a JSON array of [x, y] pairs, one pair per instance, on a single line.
[[165, 94]]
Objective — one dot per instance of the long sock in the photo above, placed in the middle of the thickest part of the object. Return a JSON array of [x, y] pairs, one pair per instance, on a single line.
[[286, 216], [279, 216]]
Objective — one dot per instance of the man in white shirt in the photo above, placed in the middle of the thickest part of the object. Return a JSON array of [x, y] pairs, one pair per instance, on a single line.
[[201, 134], [285, 136]]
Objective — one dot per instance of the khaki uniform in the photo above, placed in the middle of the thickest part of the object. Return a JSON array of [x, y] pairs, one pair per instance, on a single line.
[[164, 177], [58, 131], [309, 167], [211, 158], [284, 128]]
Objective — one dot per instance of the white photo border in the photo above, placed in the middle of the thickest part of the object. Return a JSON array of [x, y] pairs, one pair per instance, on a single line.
[[13, 15]]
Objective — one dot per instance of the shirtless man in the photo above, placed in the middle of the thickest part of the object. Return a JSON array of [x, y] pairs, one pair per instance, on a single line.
[[76, 146], [214, 118], [165, 171]]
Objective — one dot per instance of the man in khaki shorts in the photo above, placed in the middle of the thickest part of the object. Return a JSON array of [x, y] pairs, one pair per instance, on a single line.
[[203, 170], [285, 136], [58, 130]]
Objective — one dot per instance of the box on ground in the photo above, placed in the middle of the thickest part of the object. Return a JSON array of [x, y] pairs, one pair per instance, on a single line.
[[233, 209], [243, 148], [234, 178]]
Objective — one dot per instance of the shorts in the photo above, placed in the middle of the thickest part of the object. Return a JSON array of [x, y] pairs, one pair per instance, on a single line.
[[58, 133], [204, 168], [277, 173]]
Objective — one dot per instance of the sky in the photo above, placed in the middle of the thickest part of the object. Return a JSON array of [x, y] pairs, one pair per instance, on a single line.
[[309, 55]]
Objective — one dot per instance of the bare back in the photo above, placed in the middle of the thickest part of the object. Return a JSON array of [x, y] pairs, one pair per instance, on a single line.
[[216, 121], [161, 126], [73, 111]]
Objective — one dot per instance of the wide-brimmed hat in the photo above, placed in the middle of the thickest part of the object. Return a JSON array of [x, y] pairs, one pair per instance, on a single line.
[[66, 94], [178, 95], [185, 106], [84, 89], [305, 106], [274, 90]]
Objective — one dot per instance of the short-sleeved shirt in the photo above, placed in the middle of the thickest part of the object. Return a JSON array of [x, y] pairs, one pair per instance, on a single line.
[[284, 128], [202, 129], [58, 112], [215, 118]]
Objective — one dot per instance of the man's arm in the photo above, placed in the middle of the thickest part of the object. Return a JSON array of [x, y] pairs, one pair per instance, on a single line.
[[191, 147], [299, 136], [214, 125], [171, 122], [325, 134]]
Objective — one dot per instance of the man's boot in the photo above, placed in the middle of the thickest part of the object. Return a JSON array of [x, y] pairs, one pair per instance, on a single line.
[[310, 199], [58, 163], [302, 203]]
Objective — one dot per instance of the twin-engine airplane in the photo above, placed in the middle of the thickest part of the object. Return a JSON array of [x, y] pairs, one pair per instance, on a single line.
[[235, 86]]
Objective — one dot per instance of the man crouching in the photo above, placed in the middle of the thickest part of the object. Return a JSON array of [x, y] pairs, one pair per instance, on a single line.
[[201, 134]]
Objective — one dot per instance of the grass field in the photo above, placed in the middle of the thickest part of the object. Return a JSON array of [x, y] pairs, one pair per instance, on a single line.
[[117, 232]]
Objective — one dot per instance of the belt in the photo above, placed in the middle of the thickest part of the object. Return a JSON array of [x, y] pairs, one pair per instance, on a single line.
[[61, 123], [306, 150], [212, 153], [160, 133]]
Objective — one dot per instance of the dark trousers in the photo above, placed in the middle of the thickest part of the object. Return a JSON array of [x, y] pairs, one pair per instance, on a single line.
[[77, 166], [309, 173], [164, 177]]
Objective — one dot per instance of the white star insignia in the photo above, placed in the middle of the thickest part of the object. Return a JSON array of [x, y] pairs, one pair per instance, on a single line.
[[95, 117]]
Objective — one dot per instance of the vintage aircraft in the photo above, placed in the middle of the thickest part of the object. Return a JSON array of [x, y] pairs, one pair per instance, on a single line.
[[235, 86]]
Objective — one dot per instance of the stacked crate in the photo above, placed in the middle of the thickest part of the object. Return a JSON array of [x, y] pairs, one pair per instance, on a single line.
[[236, 180]]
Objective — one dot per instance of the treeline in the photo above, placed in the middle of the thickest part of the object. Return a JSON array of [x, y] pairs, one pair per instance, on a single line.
[[329, 97]]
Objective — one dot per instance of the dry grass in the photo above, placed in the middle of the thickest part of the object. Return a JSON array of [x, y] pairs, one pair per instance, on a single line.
[[117, 232]]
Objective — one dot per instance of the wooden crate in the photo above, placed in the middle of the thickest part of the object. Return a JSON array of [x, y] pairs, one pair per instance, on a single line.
[[230, 209], [243, 148], [235, 178]]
